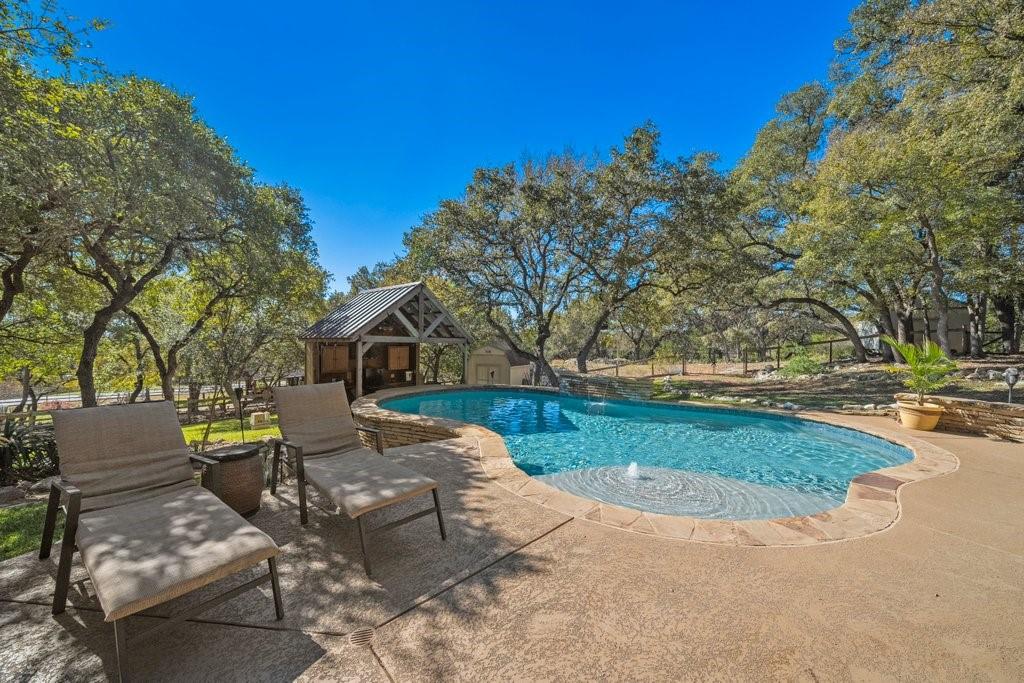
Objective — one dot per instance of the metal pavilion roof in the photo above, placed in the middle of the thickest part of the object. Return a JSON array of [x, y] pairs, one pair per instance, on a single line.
[[360, 314], [352, 317]]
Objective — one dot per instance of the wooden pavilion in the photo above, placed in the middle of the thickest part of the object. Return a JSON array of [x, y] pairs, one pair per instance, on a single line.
[[372, 340]]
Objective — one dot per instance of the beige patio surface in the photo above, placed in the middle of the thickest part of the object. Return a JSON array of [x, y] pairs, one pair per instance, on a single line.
[[523, 592]]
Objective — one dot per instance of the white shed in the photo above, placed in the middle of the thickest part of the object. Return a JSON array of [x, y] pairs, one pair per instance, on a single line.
[[494, 364]]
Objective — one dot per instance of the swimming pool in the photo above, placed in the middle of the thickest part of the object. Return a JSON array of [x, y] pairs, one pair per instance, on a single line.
[[680, 460]]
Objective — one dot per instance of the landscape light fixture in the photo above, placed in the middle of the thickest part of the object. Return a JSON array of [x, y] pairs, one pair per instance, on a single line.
[[1011, 375], [241, 419]]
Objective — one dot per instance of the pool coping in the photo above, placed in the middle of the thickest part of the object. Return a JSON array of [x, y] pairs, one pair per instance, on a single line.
[[873, 500]]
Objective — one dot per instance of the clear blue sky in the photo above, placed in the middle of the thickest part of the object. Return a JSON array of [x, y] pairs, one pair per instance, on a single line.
[[377, 111]]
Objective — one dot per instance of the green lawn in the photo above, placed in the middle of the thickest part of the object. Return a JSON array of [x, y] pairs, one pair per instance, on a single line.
[[227, 430], [20, 529]]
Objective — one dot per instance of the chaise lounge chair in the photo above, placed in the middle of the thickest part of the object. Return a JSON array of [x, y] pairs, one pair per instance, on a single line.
[[325, 449], [146, 532]]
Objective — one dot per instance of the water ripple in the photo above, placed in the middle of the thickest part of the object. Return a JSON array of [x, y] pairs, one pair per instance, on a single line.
[[690, 494]]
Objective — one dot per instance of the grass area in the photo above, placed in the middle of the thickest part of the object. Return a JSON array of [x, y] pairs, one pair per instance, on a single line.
[[227, 430], [20, 529]]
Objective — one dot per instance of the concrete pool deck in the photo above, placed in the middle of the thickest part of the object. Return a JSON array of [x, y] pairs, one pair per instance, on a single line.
[[522, 591]]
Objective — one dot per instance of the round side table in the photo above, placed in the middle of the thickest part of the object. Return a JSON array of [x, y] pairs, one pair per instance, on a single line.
[[238, 479]]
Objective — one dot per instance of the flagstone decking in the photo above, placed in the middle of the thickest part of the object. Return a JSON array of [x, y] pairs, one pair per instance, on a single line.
[[523, 591]]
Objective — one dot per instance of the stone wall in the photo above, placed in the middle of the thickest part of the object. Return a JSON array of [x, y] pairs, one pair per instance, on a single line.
[[607, 387], [969, 416], [403, 430]]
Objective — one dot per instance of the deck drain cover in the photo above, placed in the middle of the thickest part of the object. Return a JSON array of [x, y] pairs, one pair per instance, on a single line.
[[361, 637]]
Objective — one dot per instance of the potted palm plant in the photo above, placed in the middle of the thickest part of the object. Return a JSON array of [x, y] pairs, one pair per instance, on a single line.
[[927, 369]]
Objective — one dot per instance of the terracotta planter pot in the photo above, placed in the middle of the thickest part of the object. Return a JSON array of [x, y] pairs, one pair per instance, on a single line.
[[923, 418]]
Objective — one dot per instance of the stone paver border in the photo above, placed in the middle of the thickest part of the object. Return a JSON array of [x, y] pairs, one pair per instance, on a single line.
[[872, 501]]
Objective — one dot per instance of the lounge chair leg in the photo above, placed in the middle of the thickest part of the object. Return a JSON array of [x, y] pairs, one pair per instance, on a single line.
[[440, 519], [275, 586], [300, 478], [362, 544], [50, 523], [67, 552], [275, 465], [121, 649]]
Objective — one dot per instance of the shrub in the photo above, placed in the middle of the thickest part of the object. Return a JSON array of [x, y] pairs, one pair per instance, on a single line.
[[801, 363], [27, 452]]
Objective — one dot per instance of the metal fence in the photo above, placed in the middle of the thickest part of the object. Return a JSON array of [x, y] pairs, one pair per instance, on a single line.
[[743, 362]]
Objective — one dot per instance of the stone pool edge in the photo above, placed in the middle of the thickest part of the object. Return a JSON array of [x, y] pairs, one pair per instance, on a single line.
[[872, 501]]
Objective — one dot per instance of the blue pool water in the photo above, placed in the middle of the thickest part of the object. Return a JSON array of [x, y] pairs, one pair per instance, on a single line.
[[701, 462]]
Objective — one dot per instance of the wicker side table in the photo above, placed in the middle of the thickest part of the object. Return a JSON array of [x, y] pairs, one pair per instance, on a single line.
[[238, 480]]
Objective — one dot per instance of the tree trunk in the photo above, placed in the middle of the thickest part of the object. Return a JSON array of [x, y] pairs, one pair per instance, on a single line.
[[859, 352], [977, 309], [167, 368], [236, 402], [25, 377], [91, 338], [209, 421], [1006, 314], [884, 326], [905, 331], [546, 371], [434, 363], [195, 390], [588, 345], [938, 288], [13, 279], [140, 371], [122, 293]]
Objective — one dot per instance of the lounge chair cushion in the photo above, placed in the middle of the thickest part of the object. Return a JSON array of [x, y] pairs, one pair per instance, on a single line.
[[122, 454], [151, 551], [317, 417], [362, 480]]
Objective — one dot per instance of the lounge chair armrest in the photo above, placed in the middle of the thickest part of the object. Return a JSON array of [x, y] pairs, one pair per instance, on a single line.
[[66, 496], [378, 436], [291, 445], [202, 459], [67, 489], [296, 451]]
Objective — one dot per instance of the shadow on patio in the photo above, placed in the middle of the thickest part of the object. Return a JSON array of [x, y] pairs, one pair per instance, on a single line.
[[326, 592]]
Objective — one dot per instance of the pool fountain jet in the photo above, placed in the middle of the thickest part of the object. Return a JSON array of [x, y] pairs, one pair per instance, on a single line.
[[633, 471]]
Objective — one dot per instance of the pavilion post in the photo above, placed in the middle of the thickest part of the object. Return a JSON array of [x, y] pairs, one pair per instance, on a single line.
[[359, 368], [465, 363], [419, 314]]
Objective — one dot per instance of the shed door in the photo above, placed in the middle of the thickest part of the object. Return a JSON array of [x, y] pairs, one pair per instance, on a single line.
[[487, 374]]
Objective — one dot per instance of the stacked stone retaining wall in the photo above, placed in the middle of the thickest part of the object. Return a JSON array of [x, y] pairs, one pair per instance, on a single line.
[[403, 430], [970, 416], [607, 387]]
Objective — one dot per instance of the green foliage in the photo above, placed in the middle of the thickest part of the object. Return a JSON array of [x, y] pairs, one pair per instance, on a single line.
[[26, 452], [927, 368], [800, 362], [127, 224], [21, 528], [553, 250]]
